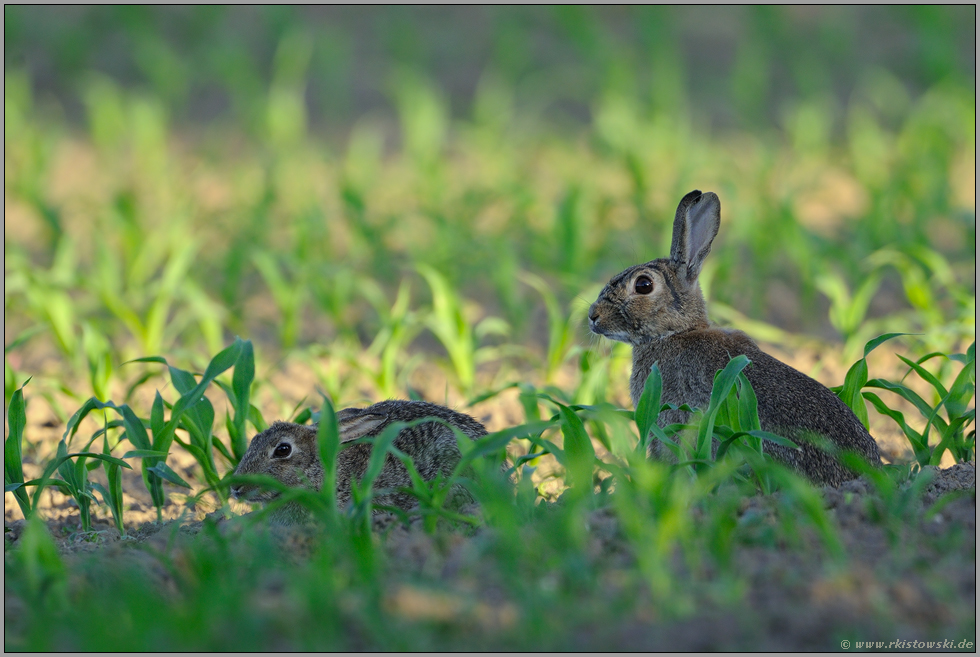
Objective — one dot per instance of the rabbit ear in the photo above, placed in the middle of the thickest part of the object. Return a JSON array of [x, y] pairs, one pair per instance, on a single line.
[[695, 226], [356, 425]]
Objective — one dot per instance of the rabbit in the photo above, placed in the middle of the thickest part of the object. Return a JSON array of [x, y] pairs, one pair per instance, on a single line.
[[658, 308], [289, 453]]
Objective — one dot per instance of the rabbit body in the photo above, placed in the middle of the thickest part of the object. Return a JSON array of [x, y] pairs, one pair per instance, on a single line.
[[289, 453], [659, 309]]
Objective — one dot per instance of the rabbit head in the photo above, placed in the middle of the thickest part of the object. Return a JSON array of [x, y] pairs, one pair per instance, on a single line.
[[288, 452], [662, 297]]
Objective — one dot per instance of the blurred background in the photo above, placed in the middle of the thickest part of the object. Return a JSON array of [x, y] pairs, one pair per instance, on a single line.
[[366, 192]]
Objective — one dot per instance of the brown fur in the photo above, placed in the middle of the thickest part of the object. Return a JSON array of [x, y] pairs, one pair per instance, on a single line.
[[669, 326], [431, 445]]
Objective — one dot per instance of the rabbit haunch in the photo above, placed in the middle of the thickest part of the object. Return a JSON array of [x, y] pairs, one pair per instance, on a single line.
[[289, 453], [658, 308]]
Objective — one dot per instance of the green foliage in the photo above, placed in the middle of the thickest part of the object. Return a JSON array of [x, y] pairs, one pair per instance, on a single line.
[[239, 396], [952, 429], [675, 518], [13, 471], [192, 413], [145, 231], [40, 572], [177, 242], [857, 378]]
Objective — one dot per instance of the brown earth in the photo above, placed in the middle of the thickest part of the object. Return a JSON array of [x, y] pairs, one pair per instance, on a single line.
[[914, 581]]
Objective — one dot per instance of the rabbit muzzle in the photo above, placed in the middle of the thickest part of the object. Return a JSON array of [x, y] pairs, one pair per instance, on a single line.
[[597, 326], [250, 493]]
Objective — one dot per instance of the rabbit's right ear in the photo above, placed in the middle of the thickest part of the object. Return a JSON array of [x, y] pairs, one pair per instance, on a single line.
[[695, 227], [354, 426]]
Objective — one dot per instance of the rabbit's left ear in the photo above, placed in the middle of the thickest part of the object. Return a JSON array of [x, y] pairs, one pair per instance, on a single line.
[[353, 426], [695, 227]]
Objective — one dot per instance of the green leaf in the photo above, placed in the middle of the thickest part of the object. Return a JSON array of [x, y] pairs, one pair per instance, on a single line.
[[579, 452], [919, 445], [748, 405], [910, 395], [880, 340], [774, 438], [857, 378], [961, 392], [144, 453], [163, 471], [949, 436], [183, 380], [850, 392], [328, 441], [113, 491], [38, 560], [303, 416], [148, 359], [65, 470], [90, 405], [13, 471], [729, 441], [724, 381], [529, 401], [490, 394], [550, 448], [926, 375], [648, 406], [255, 417], [198, 421], [381, 444], [55, 464], [499, 439], [135, 431], [241, 384], [674, 448], [221, 362], [101, 457], [24, 336]]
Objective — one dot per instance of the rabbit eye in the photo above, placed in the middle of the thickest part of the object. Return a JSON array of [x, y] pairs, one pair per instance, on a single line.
[[283, 450], [643, 285]]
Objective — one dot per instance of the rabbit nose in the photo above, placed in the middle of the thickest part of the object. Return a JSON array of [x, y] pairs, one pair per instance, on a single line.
[[236, 491]]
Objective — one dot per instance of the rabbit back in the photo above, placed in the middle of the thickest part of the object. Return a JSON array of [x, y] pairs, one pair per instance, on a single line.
[[431, 446], [790, 403]]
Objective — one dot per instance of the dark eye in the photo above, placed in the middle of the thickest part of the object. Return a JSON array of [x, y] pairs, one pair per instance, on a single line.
[[644, 285], [283, 450]]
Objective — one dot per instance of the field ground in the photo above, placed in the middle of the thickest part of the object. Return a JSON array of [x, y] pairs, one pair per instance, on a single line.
[[909, 571], [918, 585]]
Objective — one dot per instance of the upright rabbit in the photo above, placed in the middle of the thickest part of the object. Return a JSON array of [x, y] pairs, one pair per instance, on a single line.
[[658, 308], [289, 453]]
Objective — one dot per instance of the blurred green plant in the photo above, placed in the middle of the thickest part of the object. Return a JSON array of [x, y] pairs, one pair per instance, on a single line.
[[448, 323]]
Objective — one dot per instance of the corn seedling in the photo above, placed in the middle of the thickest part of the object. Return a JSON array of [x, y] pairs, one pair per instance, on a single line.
[[13, 470], [952, 429], [192, 413], [848, 311], [449, 324], [239, 397], [563, 329], [289, 294], [857, 377], [399, 326]]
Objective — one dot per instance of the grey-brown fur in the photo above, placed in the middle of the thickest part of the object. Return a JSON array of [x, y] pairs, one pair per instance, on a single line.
[[669, 325], [431, 445]]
